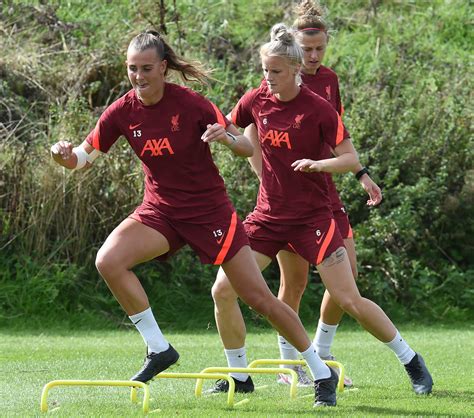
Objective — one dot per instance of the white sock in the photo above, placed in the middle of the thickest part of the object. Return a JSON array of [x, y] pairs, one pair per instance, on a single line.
[[287, 351], [318, 368], [150, 331], [237, 358], [323, 339], [401, 349]]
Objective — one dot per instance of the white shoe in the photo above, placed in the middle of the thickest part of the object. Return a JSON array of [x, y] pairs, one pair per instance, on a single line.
[[347, 380], [304, 380]]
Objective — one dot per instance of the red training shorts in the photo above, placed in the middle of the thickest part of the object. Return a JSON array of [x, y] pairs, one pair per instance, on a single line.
[[342, 221], [314, 242], [215, 240]]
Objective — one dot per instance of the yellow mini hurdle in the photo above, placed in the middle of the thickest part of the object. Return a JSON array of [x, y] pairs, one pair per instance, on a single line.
[[330, 363], [200, 377], [207, 373], [128, 383]]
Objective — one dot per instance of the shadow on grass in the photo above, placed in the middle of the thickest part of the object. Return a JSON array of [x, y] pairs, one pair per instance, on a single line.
[[378, 411], [74, 326], [463, 394]]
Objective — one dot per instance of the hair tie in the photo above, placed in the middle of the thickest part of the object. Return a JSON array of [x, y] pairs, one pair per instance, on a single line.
[[312, 29], [155, 33]]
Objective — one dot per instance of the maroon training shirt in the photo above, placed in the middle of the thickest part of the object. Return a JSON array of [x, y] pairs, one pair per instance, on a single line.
[[289, 131], [326, 84], [181, 179]]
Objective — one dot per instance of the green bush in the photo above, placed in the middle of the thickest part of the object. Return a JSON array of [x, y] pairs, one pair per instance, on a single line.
[[405, 76]]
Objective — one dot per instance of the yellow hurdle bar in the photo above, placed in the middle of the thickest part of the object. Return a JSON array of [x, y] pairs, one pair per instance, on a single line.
[[127, 383], [199, 376], [249, 370], [330, 363]]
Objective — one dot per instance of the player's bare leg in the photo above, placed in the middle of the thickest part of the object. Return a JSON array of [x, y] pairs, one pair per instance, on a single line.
[[130, 244], [331, 315], [242, 272], [294, 271], [336, 274]]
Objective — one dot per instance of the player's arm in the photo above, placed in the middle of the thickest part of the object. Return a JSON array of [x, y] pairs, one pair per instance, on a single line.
[[74, 158], [228, 134], [360, 172], [371, 188], [345, 160], [238, 143], [255, 160], [230, 137]]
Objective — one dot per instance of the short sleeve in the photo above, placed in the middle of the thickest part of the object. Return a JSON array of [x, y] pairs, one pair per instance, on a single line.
[[212, 114], [242, 112], [333, 130], [340, 108], [106, 131]]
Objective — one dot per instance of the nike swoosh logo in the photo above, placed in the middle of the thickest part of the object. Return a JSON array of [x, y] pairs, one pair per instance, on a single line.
[[135, 323], [132, 127], [220, 240], [324, 330], [318, 241], [240, 356]]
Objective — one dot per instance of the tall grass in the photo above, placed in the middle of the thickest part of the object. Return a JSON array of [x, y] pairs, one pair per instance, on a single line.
[[405, 75]]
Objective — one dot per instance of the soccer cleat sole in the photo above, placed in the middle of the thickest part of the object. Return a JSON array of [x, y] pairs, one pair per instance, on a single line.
[[170, 367]]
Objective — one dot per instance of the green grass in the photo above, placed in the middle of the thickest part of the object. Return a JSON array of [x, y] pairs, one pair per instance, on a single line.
[[29, 359]]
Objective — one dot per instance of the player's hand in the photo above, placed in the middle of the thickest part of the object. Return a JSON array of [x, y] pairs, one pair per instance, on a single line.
[[307, 165], [215, 133], [374, 192], [61, 150]]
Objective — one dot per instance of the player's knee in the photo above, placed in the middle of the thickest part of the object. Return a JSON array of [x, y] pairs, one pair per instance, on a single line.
[[293, 289], [222, 291], [105, 263], [298, 287], [291, 297], [260, 302], [349, 305], [260, 305]]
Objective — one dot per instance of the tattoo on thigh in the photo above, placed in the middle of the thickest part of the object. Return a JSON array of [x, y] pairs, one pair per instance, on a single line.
[[335, 258]]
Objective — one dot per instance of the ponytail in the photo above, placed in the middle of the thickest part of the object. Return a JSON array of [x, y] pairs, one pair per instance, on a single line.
[[188, 70]]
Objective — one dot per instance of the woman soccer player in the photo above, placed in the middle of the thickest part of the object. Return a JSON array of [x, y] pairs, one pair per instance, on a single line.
[[169, 128], [311, 32], [295, 128]]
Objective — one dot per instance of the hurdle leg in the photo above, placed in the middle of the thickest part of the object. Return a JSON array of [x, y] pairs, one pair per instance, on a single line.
[[116, 383]]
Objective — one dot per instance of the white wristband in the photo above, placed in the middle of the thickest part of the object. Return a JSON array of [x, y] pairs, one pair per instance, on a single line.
[[81, 155], [92, 156]]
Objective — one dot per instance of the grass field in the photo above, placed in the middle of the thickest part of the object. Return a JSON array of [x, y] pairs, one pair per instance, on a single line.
[[28, 360]]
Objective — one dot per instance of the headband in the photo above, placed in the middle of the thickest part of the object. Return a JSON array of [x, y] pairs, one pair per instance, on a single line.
[[312, 29]]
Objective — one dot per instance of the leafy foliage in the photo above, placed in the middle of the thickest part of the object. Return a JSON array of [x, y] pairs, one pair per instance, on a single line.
[[405, 75]]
